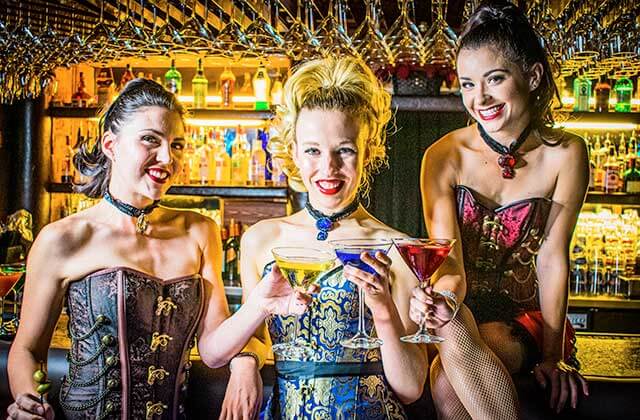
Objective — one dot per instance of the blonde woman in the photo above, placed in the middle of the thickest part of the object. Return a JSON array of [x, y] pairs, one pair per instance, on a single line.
[[332, 138]]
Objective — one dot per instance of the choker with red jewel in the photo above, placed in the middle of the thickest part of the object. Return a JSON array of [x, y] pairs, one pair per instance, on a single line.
[[508, 158]]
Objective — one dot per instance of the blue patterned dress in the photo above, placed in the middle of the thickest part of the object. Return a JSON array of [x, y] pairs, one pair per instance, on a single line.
[[336, 382]]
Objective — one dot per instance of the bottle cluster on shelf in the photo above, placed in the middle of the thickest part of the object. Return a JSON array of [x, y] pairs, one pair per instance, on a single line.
[[604, 253], [604, 96], [230, 235], [229, 157], [259, 91], [614, 162]]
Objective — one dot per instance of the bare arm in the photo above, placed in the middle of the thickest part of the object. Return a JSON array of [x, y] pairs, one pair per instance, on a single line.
[[406, 365], [553, 257], [41, 306], [437, 181], [222, 337]]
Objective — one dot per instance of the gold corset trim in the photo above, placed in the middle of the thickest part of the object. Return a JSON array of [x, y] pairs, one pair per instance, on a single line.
[[156, 374], [165, 306], [155, 409], [158, 339], [489, 242]]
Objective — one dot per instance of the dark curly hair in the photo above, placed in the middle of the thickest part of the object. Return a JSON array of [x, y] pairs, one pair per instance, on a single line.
[[500, 24], [90, 160]]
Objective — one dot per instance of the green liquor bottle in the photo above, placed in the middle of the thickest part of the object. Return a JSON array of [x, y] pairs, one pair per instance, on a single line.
[[173, 79], [623, 89], [200, 86]]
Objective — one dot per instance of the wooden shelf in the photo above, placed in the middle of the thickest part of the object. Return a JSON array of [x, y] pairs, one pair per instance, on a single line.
[[202, 191], [621, 199], [220, 114], [603, 302]]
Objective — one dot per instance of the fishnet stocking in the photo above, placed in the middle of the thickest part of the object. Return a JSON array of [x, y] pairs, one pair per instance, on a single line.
[[479, 378], [448, 405]]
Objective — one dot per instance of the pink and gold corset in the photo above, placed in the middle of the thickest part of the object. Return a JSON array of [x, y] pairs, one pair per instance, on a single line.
[[500, 247]]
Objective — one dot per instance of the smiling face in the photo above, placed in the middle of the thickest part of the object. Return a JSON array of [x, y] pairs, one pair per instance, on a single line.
[[329, 153], [495, 91], [146, 154]]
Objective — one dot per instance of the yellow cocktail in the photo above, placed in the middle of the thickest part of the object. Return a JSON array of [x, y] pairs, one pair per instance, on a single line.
[[302, 267]]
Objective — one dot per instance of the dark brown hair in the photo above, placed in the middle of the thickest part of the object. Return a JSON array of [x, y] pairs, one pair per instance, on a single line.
[[91, 161], [500, 24]]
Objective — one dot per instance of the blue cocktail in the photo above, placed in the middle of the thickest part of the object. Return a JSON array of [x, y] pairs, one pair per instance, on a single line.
[[349, 252]]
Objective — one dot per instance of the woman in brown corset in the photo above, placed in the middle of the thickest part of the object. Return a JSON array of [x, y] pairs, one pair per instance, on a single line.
[[140, 280], [509, 189]]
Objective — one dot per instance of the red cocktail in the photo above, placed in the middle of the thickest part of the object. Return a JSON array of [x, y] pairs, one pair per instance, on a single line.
[[424, 256]]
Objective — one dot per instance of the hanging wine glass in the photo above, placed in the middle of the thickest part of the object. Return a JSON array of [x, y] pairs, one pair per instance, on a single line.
[[264, 37], [369, 42], [299, 40], [440, 40], [232, 39], [404, 39], [332, 32], [194, 37]]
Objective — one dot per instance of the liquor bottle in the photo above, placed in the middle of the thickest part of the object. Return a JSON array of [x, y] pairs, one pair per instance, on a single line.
[[247, 84], [612, 180], [127, 76], [258, 163], [188, 160], [222, 165], [204, 158], [598, 170], [231, 248], [632, 149], [240, 158], [81, 98], [200, 86], [104, 82], [196, 161], [173, 79], [277, 90], [261, 88], [581, 93], [632, 177], [68, 173], [263, 135], [227, 82], [224, 236], [278, 177], [602, 92], [623, 89]]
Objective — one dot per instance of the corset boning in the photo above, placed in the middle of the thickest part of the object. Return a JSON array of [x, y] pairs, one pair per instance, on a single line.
[[131, 334]]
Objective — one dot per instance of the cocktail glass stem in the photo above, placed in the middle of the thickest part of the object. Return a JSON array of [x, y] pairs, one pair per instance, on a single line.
[[361, 330]]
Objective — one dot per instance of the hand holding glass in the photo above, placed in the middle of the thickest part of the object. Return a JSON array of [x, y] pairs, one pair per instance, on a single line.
[[301, 267], [424, 256], [348, 252]]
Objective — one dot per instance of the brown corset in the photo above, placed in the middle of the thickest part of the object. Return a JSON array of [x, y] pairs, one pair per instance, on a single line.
[[131, 334]]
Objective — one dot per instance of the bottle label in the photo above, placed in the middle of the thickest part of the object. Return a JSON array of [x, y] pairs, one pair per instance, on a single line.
[[612, 181], [172, 86], [633, 187]]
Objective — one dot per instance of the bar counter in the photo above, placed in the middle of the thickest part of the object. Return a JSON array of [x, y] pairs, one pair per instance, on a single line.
[[610, 397]]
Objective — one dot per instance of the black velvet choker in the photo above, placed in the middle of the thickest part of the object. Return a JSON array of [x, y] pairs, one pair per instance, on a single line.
[[325, 223], [142, 221], [507, 159]]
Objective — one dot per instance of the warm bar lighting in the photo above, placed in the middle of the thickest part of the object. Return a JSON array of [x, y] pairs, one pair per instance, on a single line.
[[226, 123], [577, 125], [216, 99], [569, 100]]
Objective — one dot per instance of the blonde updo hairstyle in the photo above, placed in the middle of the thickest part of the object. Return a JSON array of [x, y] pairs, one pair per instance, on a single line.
[[336, 84]]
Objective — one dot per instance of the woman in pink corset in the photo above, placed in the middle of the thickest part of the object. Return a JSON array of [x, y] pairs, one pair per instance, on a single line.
[[509, 188]]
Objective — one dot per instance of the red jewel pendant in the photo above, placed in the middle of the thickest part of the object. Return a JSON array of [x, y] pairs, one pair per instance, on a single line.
[[507, 163]]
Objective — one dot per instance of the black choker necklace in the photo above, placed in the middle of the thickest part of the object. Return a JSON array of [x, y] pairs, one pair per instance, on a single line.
[[507, 159], [324, 223], [142, 221]]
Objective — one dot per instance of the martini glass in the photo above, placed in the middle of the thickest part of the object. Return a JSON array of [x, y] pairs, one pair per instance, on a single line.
[[424, 256], [301, 266], [9, 276], [348, 252]]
